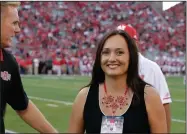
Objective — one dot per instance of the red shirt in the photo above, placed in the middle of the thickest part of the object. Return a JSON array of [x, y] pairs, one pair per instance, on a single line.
[[28, 61], [57, 61], [63, 61], [22, 63]]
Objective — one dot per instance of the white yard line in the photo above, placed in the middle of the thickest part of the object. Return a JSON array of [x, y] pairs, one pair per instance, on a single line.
[[50, 100], [9, 131], [177, 120], [177, 100]]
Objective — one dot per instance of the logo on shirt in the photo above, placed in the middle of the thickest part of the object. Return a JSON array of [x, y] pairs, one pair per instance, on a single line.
[[5, 76], [142, 77], [167, 96]]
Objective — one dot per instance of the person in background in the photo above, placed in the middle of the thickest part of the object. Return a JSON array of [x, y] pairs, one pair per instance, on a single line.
[[11, 88], [151, 73]]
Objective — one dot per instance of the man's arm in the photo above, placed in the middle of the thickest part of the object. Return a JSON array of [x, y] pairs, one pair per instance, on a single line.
[[168, 116], [161, 85], [156, 78], [154, 106], [35, 119], [18, 100]]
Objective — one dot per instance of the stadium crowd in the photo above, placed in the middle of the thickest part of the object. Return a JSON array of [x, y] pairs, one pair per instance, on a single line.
[[61, 38]]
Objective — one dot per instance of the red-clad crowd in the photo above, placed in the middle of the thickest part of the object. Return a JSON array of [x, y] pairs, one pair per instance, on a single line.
[[61, 38]]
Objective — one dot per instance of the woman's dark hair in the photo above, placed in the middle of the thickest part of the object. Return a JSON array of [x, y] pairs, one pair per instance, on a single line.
[[133, 78]]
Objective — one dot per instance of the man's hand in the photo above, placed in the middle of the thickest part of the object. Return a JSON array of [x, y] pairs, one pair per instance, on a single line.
[[36, 120]]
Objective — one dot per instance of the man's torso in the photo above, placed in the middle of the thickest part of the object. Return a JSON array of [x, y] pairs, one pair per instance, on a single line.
[[6, 73]]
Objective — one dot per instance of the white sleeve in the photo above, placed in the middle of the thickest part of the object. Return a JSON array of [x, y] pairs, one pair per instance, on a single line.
[[161, 85]]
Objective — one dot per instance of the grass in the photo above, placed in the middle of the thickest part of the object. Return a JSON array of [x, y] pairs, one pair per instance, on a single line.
[[65, 88]]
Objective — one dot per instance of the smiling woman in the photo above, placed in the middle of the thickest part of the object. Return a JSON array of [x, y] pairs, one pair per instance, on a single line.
[[117, 100], [115, 61]]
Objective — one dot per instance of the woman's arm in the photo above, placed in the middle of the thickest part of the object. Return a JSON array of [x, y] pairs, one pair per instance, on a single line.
[[155, 110], [76, 123]]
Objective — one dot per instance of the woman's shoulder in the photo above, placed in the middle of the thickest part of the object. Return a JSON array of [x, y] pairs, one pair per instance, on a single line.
[[150, 94], [80, 99], [84, 91], [82, 94]]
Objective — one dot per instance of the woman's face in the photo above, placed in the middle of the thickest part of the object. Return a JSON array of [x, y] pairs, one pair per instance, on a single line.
[[115, 56]]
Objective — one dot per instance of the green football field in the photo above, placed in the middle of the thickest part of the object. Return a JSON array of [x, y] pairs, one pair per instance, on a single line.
[[54, 96]]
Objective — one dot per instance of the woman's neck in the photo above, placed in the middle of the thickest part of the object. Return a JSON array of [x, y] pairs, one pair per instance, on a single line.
[[114, 84]]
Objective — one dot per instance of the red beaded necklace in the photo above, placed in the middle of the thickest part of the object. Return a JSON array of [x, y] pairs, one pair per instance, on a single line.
[[114, 102]]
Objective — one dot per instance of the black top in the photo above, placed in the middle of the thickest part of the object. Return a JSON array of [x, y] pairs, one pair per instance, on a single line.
[[11, 87], [135, 118]]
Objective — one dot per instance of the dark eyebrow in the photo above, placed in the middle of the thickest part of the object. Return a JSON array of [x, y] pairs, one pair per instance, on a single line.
[[115, 49], [18, 22], [119, 49]]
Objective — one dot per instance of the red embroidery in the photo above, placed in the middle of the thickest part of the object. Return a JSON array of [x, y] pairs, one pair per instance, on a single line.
[[167, 96], [5, 76]]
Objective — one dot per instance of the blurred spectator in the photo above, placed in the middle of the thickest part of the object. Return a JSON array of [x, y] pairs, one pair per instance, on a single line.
[[69, 32]]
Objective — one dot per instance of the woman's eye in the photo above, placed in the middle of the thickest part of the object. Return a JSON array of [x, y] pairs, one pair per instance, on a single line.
[[105, 52], [120, 53]]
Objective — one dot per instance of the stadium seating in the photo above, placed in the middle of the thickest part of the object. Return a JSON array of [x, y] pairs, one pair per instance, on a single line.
[[76, 27]]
